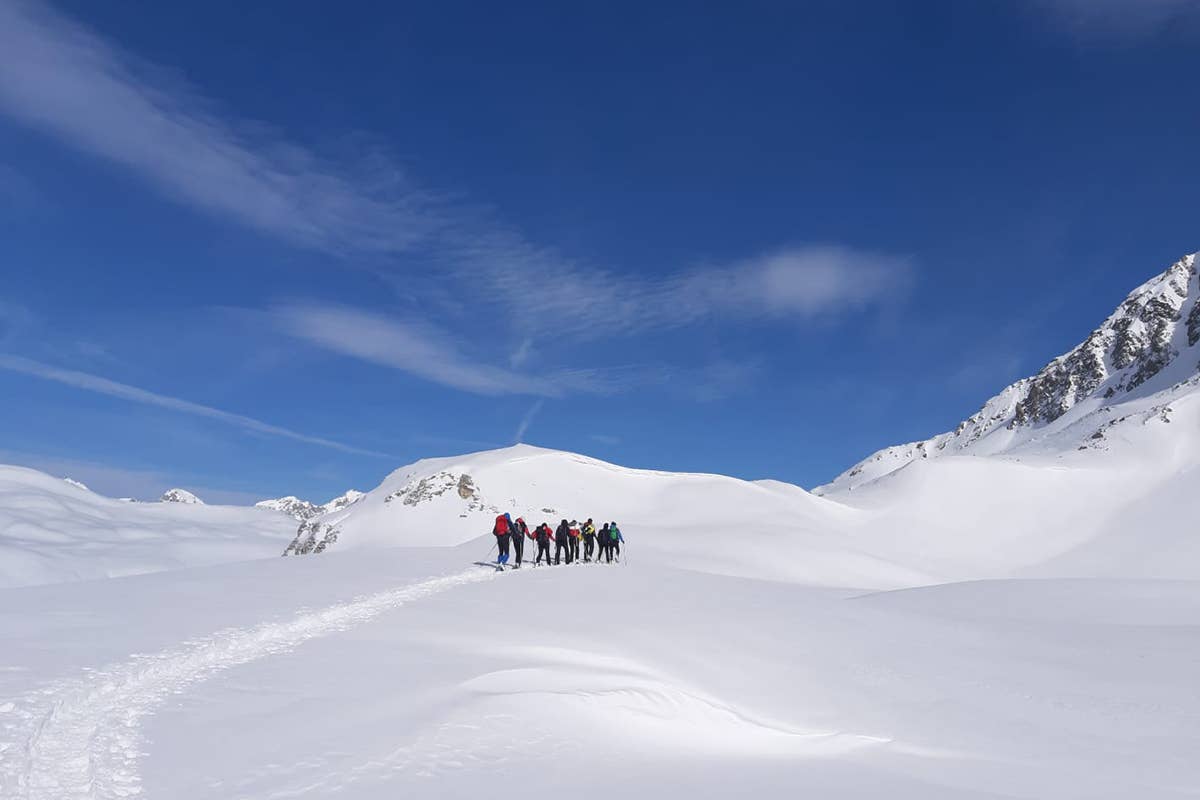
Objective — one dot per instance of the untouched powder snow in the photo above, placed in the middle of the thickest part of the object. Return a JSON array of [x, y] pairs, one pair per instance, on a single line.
[[402, 674], [742, 647], [52, 531]]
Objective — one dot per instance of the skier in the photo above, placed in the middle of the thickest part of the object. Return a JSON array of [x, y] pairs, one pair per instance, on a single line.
[[520, 531], [589, 540], [502, 530], [562, 542], [574, 541], [543, 543], [605, 540], [617, 538]]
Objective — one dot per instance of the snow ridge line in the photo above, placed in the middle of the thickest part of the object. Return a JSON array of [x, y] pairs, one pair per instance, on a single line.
[[81, 736]]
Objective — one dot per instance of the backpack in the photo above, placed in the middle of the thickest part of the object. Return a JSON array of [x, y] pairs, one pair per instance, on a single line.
[[614, 532], [501, 525]]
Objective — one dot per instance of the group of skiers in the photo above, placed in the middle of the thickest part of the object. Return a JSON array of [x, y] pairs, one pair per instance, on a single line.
[[603, 544]]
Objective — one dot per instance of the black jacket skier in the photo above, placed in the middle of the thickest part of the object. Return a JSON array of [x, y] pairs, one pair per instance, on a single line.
[[562, 542], [543, 543], [520, 531]]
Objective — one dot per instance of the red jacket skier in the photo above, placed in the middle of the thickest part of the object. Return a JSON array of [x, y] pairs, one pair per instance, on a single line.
[[502, 530]]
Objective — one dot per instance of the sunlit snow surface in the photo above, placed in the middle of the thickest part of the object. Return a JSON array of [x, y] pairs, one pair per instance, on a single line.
[[380, 674], [757, 641]]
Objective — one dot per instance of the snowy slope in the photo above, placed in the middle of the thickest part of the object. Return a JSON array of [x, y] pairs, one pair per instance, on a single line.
[[1090, 512], [1147, 349], [51, 531], [708, 522]]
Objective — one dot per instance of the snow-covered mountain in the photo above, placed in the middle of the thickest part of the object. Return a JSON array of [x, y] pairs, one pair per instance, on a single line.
[[180, 496], [451, 501], [303, 509], [292, 506], [1128, 372]]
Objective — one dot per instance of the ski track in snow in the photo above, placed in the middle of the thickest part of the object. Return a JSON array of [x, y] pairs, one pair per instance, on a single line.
[[80, 738]]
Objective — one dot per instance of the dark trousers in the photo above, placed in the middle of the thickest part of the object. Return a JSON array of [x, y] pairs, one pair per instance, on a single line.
[[502, 544], [574, 548], [589, 547], [616, 548], [559, 548], [518, 546], [543, 547], [608, 548]]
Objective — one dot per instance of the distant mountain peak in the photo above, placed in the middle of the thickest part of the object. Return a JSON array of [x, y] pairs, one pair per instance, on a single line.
[[180, 496], [304, 510], [1148, 345]]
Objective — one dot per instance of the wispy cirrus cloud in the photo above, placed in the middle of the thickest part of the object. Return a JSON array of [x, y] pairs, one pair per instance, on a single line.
[[15, 320], [527, 420], [421, 349], [787, 284], [59, 77], [123, 391], [1119, 19]]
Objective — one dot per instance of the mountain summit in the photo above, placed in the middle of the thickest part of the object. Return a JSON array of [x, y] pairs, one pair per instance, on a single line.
[[180, 496], [1146, 349], [305, 509]]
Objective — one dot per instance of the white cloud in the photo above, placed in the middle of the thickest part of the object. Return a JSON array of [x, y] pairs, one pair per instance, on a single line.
[[59, 77], [793, 282], [99, 385]]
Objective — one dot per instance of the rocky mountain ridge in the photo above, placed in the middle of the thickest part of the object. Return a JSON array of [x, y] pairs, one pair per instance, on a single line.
[[1148, 345], [180, 496], [303, 510]]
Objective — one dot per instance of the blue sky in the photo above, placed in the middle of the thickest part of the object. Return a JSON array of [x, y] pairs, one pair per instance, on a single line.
[[285, 248]]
